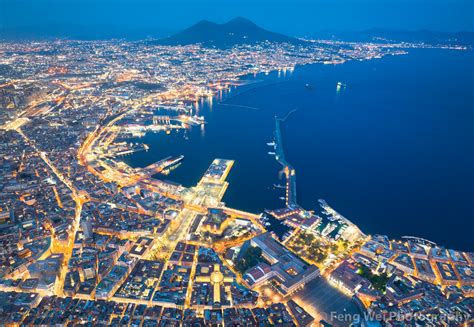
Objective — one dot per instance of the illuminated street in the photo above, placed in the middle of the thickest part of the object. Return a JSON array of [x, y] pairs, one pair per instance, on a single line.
[[91, 237]]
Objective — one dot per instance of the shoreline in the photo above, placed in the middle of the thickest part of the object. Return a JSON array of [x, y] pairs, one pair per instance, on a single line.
[[257, 86]]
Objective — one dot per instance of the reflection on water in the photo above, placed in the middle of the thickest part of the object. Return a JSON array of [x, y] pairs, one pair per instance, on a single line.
[[385, 150]]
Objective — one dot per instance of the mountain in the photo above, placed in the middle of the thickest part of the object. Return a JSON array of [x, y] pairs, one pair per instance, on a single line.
[[237, 31], [432, 37], [81, 32], [379, 34]]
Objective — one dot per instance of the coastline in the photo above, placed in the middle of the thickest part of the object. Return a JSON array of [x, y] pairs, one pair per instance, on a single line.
[[254, 89]]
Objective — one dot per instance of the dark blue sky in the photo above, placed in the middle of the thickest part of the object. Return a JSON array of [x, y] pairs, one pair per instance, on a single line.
[[297, 17]]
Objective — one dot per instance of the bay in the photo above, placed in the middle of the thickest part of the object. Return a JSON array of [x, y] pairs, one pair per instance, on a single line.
[[392, 149]]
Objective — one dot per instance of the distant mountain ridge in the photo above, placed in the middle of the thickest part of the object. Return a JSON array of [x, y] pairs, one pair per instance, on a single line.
[[427, 36], [236, 31], [80, 32], [157, 33]]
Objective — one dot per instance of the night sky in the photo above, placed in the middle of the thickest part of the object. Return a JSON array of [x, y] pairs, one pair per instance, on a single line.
[[295, 17]]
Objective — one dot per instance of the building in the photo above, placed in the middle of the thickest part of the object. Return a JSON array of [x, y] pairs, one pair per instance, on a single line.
[[216, 221], [288, 270], [346, 279], [86, 225]]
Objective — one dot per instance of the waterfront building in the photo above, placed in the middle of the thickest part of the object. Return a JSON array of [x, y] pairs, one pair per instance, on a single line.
[[286, 268]]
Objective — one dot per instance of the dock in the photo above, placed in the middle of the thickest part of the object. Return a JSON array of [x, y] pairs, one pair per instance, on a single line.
[[161, 165]]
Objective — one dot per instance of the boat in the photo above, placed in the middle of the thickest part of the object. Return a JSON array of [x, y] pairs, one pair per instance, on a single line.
[[308, 86], [279, 186], [282, 198], [271, 153], [340, 85], [271, 143], [198, 119]]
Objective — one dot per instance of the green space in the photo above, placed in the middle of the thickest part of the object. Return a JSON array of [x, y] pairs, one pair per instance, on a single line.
[[379, 282], [252, 256]]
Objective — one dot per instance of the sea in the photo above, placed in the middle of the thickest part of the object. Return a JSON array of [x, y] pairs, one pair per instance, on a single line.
[[388, 143]]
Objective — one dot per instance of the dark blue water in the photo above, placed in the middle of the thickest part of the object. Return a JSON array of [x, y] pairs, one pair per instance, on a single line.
[[393, 151]]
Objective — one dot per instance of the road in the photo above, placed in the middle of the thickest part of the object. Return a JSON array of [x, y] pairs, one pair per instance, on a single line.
[[79, 199]]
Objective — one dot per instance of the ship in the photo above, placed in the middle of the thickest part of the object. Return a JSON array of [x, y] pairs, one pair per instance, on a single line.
[[199, 120], [340, 85]]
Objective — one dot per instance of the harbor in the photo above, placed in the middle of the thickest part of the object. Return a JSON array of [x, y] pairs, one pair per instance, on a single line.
[[332, 164]]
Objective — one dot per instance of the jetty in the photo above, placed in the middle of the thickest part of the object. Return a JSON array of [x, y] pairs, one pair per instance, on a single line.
[[288, 169]]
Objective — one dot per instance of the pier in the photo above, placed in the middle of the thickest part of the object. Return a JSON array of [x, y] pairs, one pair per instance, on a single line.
[[123, 149], [288, 169], [182, 119], [161, 120], [161, 165]]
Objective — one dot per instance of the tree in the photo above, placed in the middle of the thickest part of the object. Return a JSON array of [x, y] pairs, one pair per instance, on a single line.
[[251, 258]]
